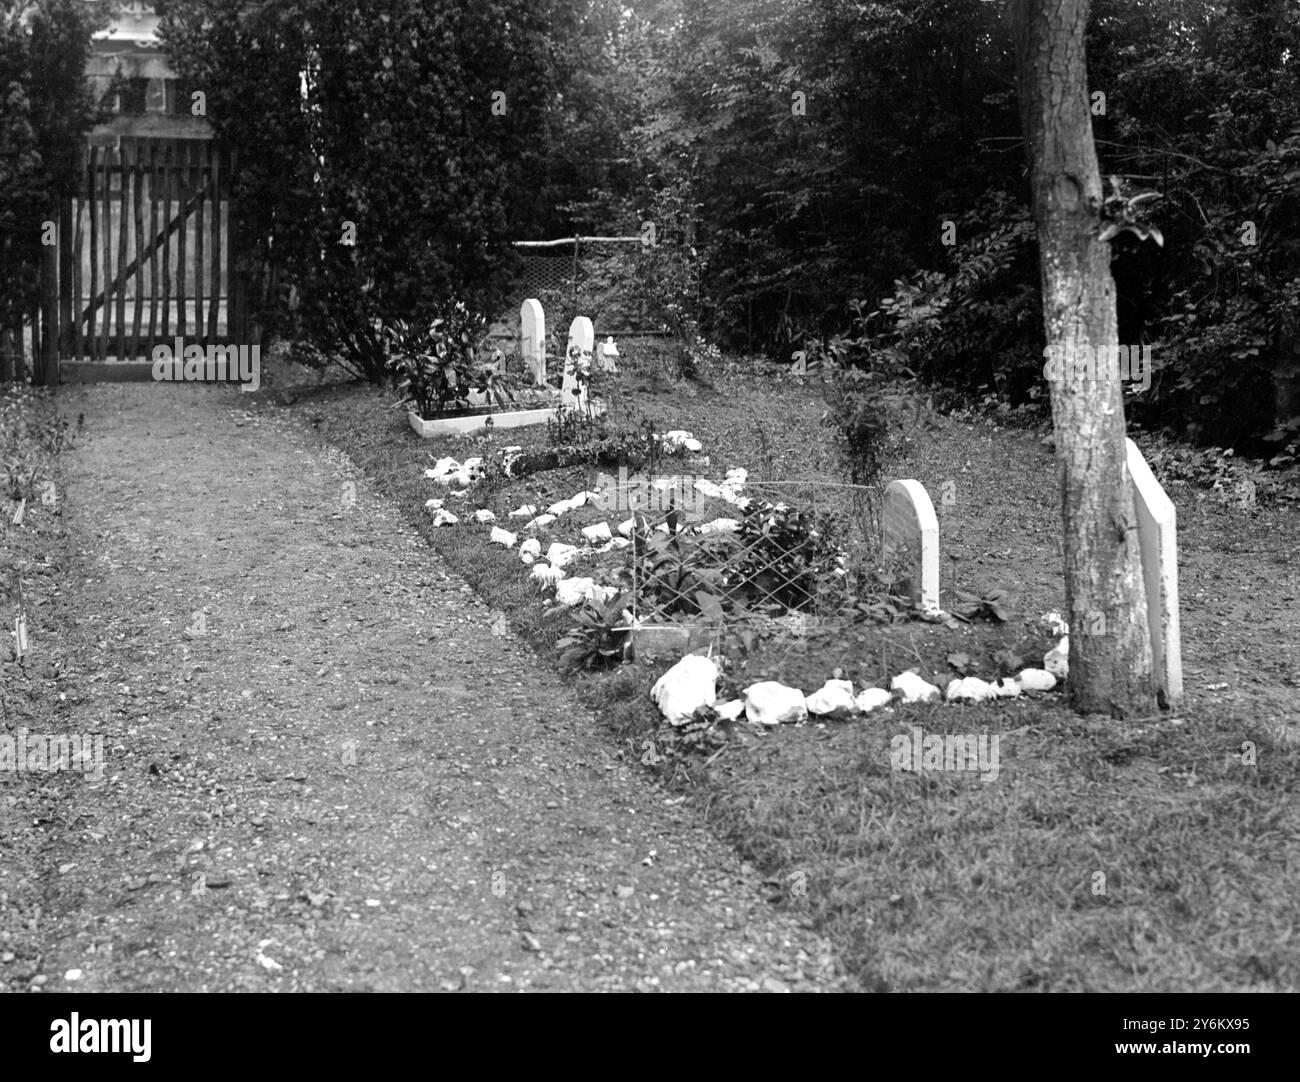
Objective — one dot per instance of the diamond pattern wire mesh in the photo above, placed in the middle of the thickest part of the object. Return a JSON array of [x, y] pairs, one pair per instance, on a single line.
[[544, 273], [791, 553], [601, 290]]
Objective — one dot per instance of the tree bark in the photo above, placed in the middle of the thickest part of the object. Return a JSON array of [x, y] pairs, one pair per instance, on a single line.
[[1110, 651]]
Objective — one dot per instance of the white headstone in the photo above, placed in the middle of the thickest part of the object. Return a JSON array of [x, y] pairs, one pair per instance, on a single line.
[[609, 355], [1158, 538], [908, 524], [582, 343], [532, 334]]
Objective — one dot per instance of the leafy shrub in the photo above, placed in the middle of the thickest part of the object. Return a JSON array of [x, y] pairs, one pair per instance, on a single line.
[[378, 115], [48, 108], [601, 637], [603, 439], [779, 559], [696, 357], [874, 414], [435, 365], [678, 569], [786, 558], [977, 325]]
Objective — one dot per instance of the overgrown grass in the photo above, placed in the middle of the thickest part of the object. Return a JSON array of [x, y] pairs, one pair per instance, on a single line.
[[1156, 854], [31, 437]]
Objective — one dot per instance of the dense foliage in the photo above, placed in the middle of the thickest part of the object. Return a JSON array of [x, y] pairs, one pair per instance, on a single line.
[[840, 151], [45, 108], [386, 149], [823, 176]]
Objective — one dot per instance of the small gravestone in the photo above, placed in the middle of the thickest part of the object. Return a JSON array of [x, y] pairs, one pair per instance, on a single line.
[[908, 525], [609, 355], [1158, 539], [532, 335], [577, 358]]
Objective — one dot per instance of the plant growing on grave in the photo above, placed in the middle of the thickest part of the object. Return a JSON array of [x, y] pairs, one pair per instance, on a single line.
[[875, 595], [601, 636], [435, 365], [681, 573], [573, 429], [519, 376], [870, 413], [586, 378], [576, 426], [581, 436], [879, 605], [787, 555], [779, 559]]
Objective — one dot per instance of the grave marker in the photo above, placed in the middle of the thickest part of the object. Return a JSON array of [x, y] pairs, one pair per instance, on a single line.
[[609, 355], [532, 333], [582, 344], [1158, 539], [908, 524]]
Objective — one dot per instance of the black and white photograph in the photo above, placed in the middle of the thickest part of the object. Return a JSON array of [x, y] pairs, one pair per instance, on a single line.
[[650, 496]]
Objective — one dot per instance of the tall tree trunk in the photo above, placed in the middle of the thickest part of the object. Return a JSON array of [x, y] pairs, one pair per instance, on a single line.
[[1110, 652]]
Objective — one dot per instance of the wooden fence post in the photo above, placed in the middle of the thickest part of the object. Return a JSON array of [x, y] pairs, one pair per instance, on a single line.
[[64, 324], [50, 309]]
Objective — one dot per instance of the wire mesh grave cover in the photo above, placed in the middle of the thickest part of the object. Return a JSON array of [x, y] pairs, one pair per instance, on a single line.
[[790, 555]]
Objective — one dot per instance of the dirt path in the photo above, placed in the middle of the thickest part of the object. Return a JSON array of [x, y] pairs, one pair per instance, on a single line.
[[340, 778]]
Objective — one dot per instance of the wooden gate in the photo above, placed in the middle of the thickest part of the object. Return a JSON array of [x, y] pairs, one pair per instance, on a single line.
[[147, 250]]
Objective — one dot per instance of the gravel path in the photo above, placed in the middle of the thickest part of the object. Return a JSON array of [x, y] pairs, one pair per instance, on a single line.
[[340, 778]]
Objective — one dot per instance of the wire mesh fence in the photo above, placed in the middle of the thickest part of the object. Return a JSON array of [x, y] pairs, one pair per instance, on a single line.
[[614, 282], [608, 279], [793, 555]]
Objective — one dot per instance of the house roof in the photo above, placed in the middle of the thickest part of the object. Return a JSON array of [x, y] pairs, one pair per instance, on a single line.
[[137, 25]]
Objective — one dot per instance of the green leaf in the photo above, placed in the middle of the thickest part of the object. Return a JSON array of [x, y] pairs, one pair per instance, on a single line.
[[710, 605]]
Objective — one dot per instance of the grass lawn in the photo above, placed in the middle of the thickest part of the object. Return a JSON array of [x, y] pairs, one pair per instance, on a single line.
[[1151, 854]]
